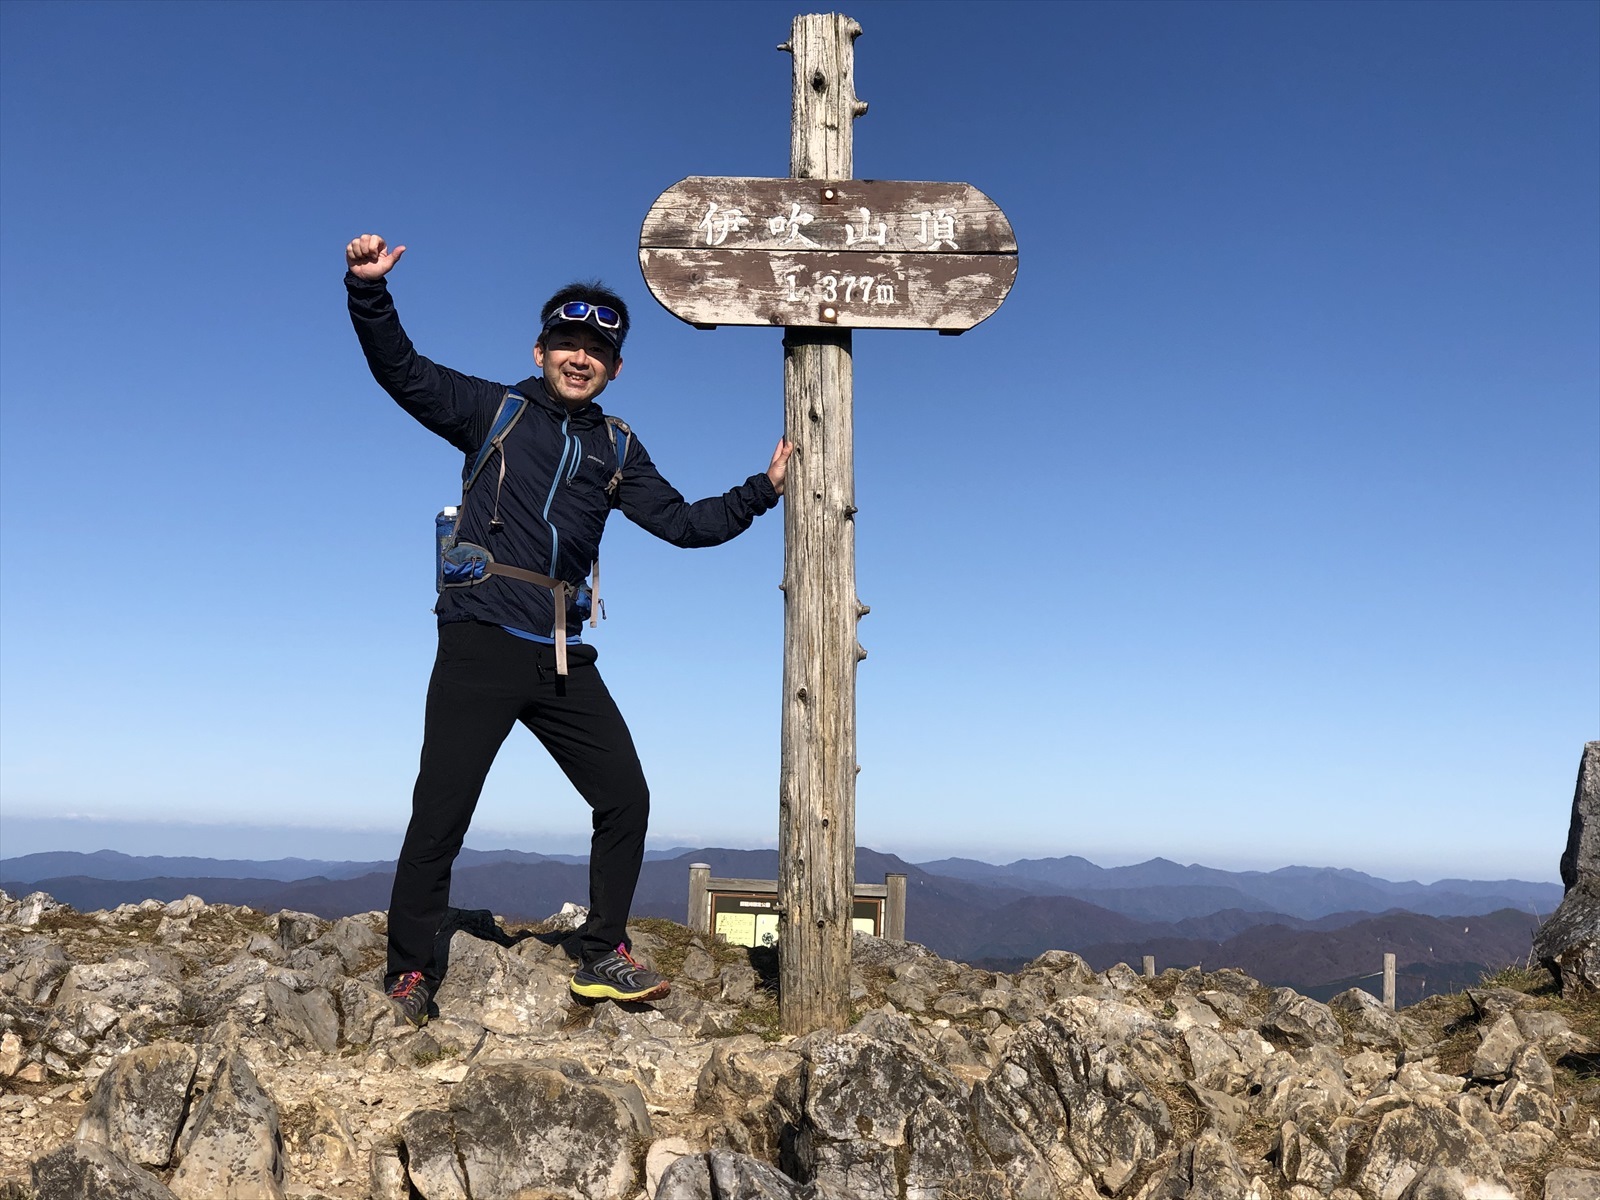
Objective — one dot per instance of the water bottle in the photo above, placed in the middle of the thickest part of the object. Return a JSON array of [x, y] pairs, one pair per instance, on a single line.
[[444, 538]]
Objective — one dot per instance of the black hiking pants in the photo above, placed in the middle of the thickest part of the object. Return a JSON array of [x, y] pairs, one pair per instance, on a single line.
[[484, 681]]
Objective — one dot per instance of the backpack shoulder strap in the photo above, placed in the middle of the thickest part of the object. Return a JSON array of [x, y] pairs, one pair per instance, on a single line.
[[512, 406], [620, 435]]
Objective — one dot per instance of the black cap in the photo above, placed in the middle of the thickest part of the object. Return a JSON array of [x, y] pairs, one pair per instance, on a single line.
[[614, 336]]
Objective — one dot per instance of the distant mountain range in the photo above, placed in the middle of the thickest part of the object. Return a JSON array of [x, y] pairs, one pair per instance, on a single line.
[[1298, 891], [1315, 929]]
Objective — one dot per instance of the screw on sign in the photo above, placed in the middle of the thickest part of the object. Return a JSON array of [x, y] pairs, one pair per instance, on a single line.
[[820, 254]]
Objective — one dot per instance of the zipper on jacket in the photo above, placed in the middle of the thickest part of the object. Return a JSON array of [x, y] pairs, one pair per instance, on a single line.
[[555, 482], [577, 457]]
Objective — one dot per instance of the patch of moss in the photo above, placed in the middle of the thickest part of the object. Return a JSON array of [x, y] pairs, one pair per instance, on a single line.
[[426, 1056], [765, 1023], [297, 1123]]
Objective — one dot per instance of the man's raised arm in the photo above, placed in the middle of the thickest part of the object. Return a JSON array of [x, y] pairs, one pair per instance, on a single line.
[[457, 407]]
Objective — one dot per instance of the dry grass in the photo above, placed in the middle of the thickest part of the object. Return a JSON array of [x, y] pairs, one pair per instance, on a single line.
[[677, 940]]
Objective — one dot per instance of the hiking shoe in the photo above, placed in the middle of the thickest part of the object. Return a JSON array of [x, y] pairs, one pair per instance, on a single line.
[[618, 977], [411, 996]]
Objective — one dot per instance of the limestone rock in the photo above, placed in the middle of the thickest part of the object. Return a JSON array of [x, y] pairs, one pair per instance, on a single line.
[[955, 1004], [1215, 1172], [1061, 1103], [39, 966], [1314, 1157], [89, 1171], [1228, 1006], [1302, 1020], [1369, 1022], [296, 929], [308, 1017], [355, 942], [1516, 1102], [1582, 856], [1368, 1069], [1452, 1183], [122, 984], [187, 906], [138, 1105], [515, 1126], [874, 1115], [363, 1009], [1191, 1011], [28, 911], [662, 1154], [1211, 1059], [10, 1054], [231, 1149], [320, 1136], [1569, 942], [1223, 1112], [722, 1174], [1411, 1141], [735, 1086], [387, 1179], [1541, 1027], [698, 965], [1571, 1183], [1530, 1065], [1063, 963], [262, 946], [1124, 981], [1420, 1077], [1528, 1142], [1206, 1169], [514, 990], [908, 997], [1490, 1004], [1501, 1041], [432, 1165], [738, 983], [1476, 1113]]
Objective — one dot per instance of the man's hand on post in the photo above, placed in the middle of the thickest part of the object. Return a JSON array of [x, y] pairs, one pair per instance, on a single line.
[[778, 468], [368, 257]]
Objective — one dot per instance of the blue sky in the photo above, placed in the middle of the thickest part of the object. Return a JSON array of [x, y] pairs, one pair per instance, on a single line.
[[1278, 468]]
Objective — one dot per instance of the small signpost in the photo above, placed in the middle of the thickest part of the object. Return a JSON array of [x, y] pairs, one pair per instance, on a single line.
[[821, 254]]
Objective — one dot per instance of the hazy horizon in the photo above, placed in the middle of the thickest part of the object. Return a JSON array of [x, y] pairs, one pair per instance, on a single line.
[[22, 835]]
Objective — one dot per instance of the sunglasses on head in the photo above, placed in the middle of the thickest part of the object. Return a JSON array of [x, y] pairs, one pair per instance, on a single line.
[[582, 310]]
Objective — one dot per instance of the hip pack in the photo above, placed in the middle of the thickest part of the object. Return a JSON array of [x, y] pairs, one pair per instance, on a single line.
[[466, 564]]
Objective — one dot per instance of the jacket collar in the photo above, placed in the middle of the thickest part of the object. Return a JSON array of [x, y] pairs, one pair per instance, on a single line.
[[589, 415]]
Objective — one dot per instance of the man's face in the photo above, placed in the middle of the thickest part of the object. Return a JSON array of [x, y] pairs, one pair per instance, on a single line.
[[577, 363]]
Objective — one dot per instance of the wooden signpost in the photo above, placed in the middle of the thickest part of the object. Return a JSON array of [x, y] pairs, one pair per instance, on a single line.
[[820, 254]]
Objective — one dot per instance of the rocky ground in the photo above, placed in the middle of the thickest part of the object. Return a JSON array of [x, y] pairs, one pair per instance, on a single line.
[[209, 1052]]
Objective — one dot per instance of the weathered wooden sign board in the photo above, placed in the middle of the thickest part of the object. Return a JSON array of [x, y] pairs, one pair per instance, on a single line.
[[847, 253]]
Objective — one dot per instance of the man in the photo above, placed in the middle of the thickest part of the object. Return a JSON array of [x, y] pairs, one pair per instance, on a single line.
[[537, 507]]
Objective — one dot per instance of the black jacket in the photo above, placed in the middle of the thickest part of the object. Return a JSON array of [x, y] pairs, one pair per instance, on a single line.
[[553, 504]]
